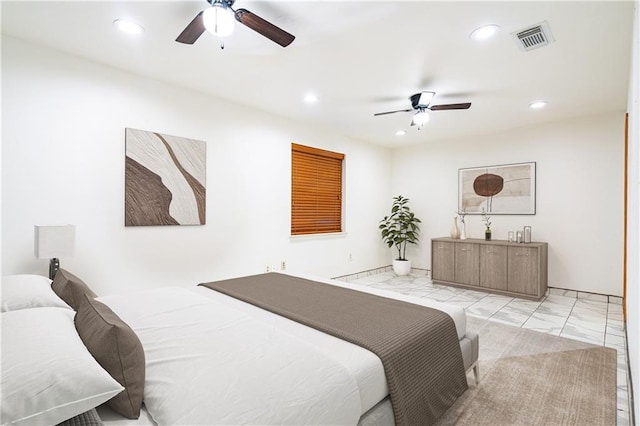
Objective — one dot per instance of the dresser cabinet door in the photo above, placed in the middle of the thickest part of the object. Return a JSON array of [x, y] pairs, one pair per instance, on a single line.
[[467, 263], [523, 270], [493, 267], [442, 258]]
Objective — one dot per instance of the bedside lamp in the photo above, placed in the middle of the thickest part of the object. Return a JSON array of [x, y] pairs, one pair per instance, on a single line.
[[52, 242]]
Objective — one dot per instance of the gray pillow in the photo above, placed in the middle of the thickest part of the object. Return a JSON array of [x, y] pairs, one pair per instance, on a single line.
[[70, 288], [117, 349]]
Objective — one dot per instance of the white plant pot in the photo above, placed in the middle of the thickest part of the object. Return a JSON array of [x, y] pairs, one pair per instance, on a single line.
[[402, 267]]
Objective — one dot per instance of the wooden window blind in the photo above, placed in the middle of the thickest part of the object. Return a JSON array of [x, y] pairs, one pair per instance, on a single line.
[[316, 190]]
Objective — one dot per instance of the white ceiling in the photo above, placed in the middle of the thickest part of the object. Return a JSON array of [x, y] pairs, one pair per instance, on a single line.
[[365, 57]]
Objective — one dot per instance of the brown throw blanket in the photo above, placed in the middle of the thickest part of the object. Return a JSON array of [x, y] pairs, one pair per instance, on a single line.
[[418, 346]]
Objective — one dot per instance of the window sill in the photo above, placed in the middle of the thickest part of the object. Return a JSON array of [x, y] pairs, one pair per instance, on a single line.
[[317, 236]]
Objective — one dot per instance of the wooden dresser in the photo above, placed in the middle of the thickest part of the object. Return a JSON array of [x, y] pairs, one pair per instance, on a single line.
[[495, 266]]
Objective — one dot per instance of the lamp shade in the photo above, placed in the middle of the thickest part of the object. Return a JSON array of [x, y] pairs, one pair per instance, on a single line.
[[54, 241]]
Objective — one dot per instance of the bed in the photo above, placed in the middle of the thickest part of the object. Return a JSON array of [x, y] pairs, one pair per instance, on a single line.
[[213, 359]]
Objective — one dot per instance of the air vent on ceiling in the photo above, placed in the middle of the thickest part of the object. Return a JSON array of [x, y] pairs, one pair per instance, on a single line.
[[533, 37]]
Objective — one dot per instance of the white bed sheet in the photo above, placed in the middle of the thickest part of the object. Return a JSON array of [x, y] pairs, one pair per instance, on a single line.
[[209, 363], [364, 367]]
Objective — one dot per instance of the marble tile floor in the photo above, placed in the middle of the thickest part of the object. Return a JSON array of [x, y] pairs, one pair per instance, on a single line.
[[588, 319]]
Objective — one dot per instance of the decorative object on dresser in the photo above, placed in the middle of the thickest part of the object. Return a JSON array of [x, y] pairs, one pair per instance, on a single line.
[[455, 231], [495, 266], [164, 180], [463, 226], [487, 225], [505, 189], [527, 234], [399, 229], [53, 242]]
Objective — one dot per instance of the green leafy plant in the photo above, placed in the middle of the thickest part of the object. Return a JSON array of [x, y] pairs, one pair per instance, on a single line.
[[400, 227]]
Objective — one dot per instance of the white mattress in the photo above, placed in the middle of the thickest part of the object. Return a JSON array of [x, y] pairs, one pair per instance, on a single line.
[[360, 365]]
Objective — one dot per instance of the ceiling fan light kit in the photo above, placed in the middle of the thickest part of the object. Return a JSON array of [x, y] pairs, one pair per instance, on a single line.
[[420, 118], [219, 20]]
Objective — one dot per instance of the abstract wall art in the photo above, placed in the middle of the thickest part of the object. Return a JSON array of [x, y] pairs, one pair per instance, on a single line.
[[504, 189], [165, 179]]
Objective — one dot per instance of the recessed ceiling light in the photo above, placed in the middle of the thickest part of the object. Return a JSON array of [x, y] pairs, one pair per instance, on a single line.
[[538, 104], [128, 27], [484, 32], [311, 98], [401, 132]]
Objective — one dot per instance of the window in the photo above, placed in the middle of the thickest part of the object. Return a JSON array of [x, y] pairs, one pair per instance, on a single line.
[[316, 190]]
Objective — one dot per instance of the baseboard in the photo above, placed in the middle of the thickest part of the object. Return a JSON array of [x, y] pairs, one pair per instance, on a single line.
[[584, 295], [363, 274], [375, 271]]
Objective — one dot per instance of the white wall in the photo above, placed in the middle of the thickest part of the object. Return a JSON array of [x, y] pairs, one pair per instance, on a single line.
[[579, 190], [63, 162], [62, 156], [633, 215]]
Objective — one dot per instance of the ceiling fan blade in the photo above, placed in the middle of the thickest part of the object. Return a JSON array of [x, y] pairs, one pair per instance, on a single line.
[[450, 106], [263, 27], [193, 31], [392, 112]]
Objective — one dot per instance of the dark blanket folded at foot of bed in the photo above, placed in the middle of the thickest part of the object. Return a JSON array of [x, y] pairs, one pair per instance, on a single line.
[[88, 418], [418, 346]]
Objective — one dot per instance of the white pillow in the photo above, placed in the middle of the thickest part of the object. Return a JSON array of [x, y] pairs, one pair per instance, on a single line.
[[28, 291], [48, 375]]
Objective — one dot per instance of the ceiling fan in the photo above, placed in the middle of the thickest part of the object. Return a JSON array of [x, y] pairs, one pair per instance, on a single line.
[[219, 19], [421, 102]]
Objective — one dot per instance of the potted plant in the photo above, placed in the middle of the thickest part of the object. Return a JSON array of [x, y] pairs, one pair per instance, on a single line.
[[487, 225], [399, 229]]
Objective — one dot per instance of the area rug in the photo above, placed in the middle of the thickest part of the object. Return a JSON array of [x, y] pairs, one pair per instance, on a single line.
[[532, 378]]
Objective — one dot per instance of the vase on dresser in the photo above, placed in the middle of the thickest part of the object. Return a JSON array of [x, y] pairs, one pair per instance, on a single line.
[[463, 231], [455, 231]]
